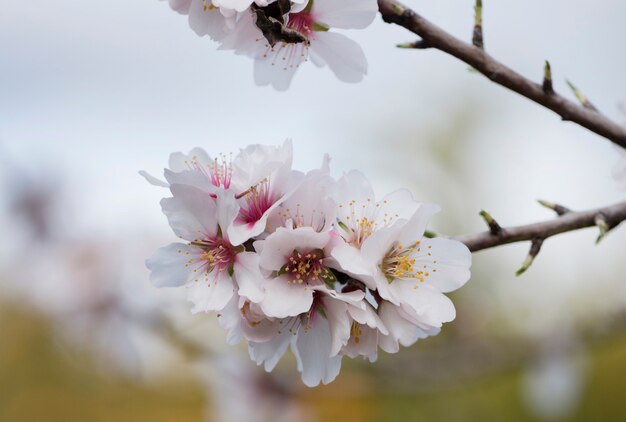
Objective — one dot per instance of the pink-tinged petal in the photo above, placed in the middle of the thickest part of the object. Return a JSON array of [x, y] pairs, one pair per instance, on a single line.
[[342, 55], [283, 299], [229, 319], [248, 276], [153, 180], [447, 263], [211, 293], [414, 229], [270, 352], [169, 265], [312, 349], [279, 246], [337, 316], [192, 214], [346, 14], [431, 306]]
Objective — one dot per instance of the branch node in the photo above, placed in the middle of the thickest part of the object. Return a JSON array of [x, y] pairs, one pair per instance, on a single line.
[[477, 36], [602, 225], [419, 44], [535, 247], [547, 79], [558, 209], [494, 227], [584, 101]]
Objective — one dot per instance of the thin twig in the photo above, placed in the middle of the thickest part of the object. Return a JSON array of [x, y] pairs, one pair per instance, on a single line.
[[610, 217], [395, 12]]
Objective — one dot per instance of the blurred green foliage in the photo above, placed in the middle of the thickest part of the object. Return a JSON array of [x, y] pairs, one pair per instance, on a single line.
[[39, 381]]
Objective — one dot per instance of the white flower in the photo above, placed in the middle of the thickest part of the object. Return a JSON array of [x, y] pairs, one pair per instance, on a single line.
[[296, 263], [619, 171], [413, 272], [211, 267], [359, 217], [308, 27]]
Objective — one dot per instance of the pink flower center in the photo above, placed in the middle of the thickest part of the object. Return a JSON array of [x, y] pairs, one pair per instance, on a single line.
[[303, 23], [219, 173], [256, 201]]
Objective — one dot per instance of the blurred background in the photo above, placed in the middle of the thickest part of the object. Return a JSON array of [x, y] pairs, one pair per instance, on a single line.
[[92, 92]]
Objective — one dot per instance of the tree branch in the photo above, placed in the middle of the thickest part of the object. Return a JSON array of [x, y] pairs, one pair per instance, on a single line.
[[610, 217], [433, 36]]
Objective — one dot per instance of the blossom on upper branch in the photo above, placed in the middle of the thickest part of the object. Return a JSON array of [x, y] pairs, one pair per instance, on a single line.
[[281, 35]]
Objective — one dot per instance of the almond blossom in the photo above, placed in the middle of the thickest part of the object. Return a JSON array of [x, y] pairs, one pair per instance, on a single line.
[[209, 265], [303, 260]]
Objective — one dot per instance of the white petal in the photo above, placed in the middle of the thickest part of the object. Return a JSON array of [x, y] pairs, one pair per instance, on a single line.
[[447, 263], [248, 276], [191, 178], [230, 319], [342, 55], [237, 5], [401, 331], [351, 261], [273, 70], [212, 293], [192, 214], [153, 180], [339, 323], [205, 21], [312, 349], [283, 300], [432, 307], [346, 14], [168, 265], [414, 228], [181, 6], [271, 351], [179, 161]]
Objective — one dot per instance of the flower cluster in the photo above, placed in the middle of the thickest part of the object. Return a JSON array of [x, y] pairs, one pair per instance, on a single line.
[[280, 35], [303, 260]]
